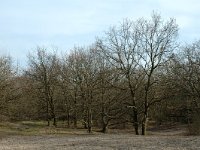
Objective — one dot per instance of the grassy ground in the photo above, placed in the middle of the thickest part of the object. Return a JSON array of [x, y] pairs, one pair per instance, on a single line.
[[28, 128], [36, 135], [34, 128]]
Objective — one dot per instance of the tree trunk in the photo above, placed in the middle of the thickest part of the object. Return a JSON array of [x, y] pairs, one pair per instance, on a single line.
[[75, 120], [144, 125], [136, 125], [53, 116], [89, 121], [47, 114], [48, 122], [75, 110], [68, 118], [104, 124], [135, 113], [54, 121], [144, 121], [103, 118], [105, 128], [85, 121], [147, 87]]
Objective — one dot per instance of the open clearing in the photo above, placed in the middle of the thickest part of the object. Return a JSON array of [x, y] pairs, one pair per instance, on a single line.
[[39, 138], [100, 141]]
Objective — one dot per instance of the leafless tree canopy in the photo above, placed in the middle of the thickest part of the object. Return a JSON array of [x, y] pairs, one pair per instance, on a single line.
[[134, 75]]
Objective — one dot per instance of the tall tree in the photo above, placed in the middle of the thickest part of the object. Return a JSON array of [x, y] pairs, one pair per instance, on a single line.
[[120, 47], [8, 88], [137, 49], [44, 69], [185, 74], [157, 42]]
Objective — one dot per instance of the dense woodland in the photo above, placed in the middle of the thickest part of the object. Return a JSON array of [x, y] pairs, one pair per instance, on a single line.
[[135, 74]]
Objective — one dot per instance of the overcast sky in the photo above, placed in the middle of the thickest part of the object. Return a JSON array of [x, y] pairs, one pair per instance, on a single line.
[[25, 24]]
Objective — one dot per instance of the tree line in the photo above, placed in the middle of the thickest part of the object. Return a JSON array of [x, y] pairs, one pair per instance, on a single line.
[[135, 74]]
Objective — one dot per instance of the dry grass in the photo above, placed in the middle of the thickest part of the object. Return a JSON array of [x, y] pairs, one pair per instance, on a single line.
[[100, 141], [35, 136], [34, 128]]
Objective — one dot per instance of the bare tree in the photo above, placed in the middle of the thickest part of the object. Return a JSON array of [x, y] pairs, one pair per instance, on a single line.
[[66, 83], [185, 74], [8, 87], [43, 69], [120, 48], [157, 42], [137, 49]]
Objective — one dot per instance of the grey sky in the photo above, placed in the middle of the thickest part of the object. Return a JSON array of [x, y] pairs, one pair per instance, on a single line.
[[25, 24]]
